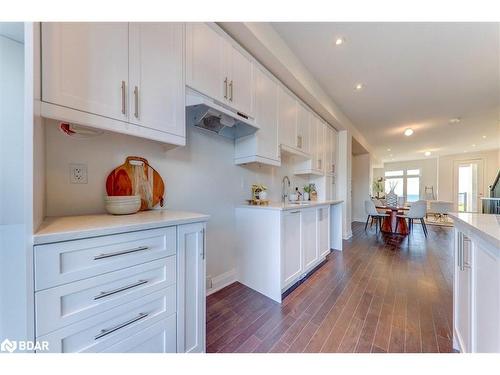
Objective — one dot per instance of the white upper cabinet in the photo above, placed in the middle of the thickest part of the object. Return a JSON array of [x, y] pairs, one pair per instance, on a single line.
[[319, 149], [217, 68], [206, 61], [240, 87], [96, 73], [330, 140], [85, 67], [156, 88], [287, 118], [303, 128], [262, 146]]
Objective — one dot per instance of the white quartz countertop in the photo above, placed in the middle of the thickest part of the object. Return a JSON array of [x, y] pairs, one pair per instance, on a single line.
[[290, 206], [484, 226], [64, 228]]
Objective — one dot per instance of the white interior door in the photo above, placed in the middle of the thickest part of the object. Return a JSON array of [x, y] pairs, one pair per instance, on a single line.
[[85, 66], [157, 76], [468, 185]]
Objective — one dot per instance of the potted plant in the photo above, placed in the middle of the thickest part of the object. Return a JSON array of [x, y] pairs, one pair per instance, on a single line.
[[307, 191], [378, 187], [259, 191]]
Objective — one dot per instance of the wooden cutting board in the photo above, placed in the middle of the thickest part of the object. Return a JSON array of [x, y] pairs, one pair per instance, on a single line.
[[137, 177]]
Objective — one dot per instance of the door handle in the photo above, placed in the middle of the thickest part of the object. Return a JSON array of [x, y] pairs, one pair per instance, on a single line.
[[136, 102], [123, 98]]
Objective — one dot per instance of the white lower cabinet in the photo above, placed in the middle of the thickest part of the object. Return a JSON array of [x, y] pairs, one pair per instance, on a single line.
[[278, 248], [191, 286], [476, 327], [292, 249], [132, 292]]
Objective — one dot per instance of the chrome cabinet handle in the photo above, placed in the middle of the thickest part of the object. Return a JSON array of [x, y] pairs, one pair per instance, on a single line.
[[319, 163], [136, 102], [464, 263], [123, 98], [122, 252], [295, 212], [225, 88], [121, 289], [299, 141], [231, 90], [107, 331]]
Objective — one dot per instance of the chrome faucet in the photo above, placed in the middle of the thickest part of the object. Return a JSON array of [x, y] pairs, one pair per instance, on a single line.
[[285, 189]]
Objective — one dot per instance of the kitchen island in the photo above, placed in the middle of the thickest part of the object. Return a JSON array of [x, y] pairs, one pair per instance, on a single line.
[[281, 244], [476, 283]]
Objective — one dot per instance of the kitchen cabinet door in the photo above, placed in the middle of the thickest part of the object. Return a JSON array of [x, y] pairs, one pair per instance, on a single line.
[[486, 326], [85, 66], [206, 64], [240, 86], [287, 118], [323, 217], [156, 89], [291, 248], [266, 115], [303, 126], [191, 288], [328, 149], [462, 293], [309, 238], [318, 158]]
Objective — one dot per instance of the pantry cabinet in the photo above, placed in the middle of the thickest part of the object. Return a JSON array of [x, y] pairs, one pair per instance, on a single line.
[[218, 68], [262, 146], [156, 83], [126, 78], [85, 66]]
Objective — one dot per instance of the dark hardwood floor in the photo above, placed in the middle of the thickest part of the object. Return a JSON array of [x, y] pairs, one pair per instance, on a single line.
[[381, 294]]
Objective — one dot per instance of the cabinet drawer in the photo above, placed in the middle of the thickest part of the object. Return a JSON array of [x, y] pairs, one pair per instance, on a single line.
[[67, 304], [65, 262], [157, 338], [101, 331]]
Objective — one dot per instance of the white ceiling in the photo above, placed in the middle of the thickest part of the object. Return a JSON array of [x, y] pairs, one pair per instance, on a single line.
[[12, 30], [416, 75]]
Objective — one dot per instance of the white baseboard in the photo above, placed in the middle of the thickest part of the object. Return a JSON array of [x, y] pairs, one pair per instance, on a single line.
[[223, 280], [359, 220]]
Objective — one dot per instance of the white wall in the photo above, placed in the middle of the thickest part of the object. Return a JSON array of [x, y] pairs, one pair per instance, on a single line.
[[13, 274], [361, 184], [199, 177], [446, 174], [428, 172]]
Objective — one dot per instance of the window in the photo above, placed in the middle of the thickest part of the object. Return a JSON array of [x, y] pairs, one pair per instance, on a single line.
[[407, 183]]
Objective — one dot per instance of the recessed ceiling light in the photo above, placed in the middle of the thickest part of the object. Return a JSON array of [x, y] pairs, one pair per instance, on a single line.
[[388, 149], [339, 41], [473, 145], [427, 153], [408, 132], [484, 137], [359, 86], [455, 120]]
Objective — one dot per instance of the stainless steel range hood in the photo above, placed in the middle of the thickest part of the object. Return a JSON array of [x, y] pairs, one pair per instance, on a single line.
[[209, 115]]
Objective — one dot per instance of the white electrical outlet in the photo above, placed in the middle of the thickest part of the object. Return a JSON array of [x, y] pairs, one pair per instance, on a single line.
[[78, 173], [209, 282]]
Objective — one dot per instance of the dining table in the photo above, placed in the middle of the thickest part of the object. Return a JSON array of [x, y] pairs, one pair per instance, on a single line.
[[389, 222]]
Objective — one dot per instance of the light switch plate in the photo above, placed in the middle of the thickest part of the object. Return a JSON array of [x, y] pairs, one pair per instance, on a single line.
[[78, 173]]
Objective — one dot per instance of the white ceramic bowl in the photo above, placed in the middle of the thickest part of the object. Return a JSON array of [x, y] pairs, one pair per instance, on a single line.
[[120, 205]]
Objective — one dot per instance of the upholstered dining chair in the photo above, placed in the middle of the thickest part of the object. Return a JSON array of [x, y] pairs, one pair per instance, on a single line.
[[417, 210], [372, 212]]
